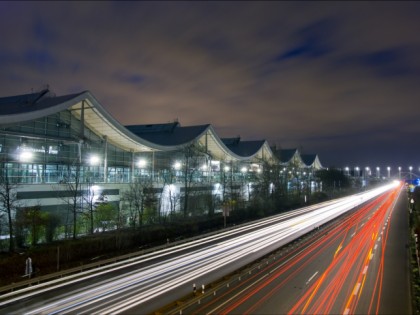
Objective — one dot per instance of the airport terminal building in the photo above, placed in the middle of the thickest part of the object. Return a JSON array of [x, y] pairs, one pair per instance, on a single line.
[[51, 144]]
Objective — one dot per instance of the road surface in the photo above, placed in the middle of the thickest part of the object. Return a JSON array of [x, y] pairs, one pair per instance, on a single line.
[[358, 265]]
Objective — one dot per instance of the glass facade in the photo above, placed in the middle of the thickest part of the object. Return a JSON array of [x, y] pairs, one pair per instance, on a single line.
[[47, 150]]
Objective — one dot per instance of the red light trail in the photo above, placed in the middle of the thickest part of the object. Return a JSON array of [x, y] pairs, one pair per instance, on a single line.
[[335, 289]]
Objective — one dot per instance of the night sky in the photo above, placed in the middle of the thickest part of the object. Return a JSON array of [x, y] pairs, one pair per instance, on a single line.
[[340, 79]]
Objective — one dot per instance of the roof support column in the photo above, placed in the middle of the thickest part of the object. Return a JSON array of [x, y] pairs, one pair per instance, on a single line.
[[132, 167], [105, 159], [82, 131], [82, 121], [79, 151], [153, 166]]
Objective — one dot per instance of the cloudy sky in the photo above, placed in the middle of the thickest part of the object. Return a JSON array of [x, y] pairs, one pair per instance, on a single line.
[[340, 79]]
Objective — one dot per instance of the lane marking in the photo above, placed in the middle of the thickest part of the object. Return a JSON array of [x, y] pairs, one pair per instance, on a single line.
[[365, 269], [338, 249], [356, 288], [307, 282]]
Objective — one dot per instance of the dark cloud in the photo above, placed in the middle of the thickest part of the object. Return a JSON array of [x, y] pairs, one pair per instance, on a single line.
[[335, 78]]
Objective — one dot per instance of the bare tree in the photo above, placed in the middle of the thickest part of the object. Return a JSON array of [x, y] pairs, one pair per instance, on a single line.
[[70, 191], [137, 196], [193, 154], [168, 194], [89, 198], [8, 202]]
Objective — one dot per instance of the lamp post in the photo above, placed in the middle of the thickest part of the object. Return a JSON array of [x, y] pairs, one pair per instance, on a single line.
[[399, 172], [378, 172], [357, 170], [389, 171], [411, 174]]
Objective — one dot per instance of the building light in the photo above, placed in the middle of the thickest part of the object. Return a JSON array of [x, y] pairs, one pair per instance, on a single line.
[[25, 156], [94, 160], [142, 163]]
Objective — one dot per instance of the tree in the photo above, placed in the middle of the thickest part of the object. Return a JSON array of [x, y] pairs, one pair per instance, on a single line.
[[192, 155], [137, 195], [30, 221], [333, 179], [264, 186], [105, 215], [89, 199], [8, 202], [70, 191], [52, 222]]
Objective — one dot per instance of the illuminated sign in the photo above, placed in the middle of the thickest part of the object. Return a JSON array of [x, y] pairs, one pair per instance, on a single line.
[[51, 149]]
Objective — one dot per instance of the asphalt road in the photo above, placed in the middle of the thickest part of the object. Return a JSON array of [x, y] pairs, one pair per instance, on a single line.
[[358, 265], [142, 284]]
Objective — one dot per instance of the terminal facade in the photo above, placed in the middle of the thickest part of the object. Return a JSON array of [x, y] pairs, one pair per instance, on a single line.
[[58, 150]]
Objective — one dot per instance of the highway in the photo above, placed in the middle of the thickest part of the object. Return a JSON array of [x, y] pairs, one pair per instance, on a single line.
[[142, 285], [346, 269]]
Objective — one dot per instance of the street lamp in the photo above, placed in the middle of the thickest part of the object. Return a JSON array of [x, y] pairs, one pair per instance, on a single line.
[[347, 170], [367, 171], [378, 172], [357, 169], [389, 171], [411, 174], [399, 172]]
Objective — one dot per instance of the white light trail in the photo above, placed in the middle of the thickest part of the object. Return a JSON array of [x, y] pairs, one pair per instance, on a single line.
[[203, 257]]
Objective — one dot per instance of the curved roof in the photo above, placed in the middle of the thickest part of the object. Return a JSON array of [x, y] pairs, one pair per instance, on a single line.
[[249, 149], [22, 108], [171, 134], [161, 137], [136, 138], [286, 155], [174, 137], [311, 160]]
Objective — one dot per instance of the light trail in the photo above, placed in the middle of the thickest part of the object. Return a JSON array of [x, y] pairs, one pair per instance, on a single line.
[[305, 257], [194, 260]]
